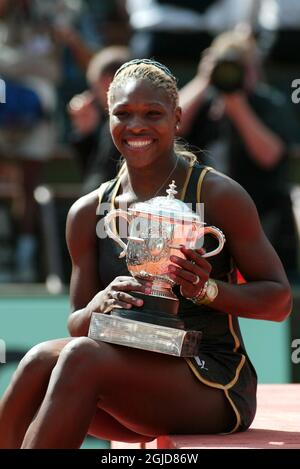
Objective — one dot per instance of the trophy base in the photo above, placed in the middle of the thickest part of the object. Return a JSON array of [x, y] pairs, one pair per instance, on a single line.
[[158, 318], [143, 335], [155, 310]]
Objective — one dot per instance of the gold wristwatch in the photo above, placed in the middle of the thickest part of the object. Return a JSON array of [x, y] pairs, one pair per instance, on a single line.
[[207, 294]]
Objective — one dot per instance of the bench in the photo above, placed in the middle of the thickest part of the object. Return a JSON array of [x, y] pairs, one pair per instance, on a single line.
[[276, 426]]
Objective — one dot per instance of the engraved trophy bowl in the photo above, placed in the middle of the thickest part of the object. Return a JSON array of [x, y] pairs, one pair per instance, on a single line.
[[157, 229]]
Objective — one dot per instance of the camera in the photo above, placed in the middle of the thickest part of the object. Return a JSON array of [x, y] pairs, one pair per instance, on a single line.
[[228, 74]]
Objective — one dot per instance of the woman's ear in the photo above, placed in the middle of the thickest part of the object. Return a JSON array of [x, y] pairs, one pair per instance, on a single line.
[[177, 118]]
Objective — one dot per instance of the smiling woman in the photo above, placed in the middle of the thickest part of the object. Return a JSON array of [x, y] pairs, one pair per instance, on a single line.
[[143, 123], [125, 394]]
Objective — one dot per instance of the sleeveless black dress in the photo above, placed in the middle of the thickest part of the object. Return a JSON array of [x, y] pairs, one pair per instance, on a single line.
[[222, 361]]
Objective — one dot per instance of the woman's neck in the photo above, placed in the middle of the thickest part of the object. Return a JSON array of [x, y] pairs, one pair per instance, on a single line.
[[145, 183]]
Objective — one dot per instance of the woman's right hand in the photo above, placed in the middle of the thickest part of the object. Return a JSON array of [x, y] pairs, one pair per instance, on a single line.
[[117, 295]]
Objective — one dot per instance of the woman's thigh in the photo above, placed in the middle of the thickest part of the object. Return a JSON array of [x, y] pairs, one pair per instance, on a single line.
[[153, 394], [106, 427]]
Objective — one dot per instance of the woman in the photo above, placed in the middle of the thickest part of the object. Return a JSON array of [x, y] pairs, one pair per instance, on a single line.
[[67, 388]]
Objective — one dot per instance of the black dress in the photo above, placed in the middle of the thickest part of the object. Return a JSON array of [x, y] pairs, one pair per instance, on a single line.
[[222, 361]]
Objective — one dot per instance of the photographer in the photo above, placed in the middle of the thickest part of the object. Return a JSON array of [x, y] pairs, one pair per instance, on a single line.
[[247, 128]]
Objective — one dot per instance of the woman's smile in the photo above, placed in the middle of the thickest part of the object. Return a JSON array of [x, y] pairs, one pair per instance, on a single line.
[[138, 143]]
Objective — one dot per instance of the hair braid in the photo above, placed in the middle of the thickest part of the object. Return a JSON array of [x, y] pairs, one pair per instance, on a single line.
[[147, 71]]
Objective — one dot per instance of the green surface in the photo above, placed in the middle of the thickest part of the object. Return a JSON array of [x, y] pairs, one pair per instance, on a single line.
[[268, 346]]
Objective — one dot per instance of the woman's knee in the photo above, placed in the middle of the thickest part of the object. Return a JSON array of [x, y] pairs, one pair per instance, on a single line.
[[40, 358], [82, 354]]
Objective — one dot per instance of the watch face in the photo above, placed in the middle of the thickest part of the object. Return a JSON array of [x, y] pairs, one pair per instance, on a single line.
[[212, 290]]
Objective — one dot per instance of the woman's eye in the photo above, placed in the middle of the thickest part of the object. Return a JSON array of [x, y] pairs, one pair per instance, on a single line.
[[154, 113], [121, 114]]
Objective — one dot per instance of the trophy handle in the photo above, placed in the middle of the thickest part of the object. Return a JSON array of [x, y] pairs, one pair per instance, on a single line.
[[107, 221], [217, 233]]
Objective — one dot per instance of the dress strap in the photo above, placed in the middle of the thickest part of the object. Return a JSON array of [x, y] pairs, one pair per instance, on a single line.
[[187, 180], [204, 171], [101, 191]]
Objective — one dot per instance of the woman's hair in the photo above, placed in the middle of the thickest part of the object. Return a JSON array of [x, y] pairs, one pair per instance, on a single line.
[[182, 149], [154, 72], [160, 77]]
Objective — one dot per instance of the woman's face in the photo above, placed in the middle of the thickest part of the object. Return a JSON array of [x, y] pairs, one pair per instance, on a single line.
[[143, 122]]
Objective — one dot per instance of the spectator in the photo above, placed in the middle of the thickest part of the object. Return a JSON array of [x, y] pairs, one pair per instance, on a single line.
[[254, 127], [96, 153], [29, 66], [278, 29]]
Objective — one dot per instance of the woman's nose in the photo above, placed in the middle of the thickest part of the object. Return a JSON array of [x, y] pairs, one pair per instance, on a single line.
[[136, 124]]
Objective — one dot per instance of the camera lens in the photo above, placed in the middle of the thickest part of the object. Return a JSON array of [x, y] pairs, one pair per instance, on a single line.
[[228, 76]]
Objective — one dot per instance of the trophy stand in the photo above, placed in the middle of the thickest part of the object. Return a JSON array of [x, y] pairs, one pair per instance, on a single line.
[[154, 326], [156, 309]]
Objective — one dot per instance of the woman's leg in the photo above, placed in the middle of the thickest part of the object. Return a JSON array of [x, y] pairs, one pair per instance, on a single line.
[[150, 394], [26, 391], [106, 427]]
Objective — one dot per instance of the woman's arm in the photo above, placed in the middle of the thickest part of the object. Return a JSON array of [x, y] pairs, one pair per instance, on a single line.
[[82, 244], [267, 293]]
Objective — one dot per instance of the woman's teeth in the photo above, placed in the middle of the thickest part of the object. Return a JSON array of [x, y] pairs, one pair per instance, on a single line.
[[138, 143]]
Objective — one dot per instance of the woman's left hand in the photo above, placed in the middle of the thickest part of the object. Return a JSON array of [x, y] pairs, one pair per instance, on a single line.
[[190, 273]]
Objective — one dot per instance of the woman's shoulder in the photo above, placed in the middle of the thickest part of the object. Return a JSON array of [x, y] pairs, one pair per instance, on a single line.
[[218, 186], [87, 205], [84, 206], [81, 220], [226, 201]]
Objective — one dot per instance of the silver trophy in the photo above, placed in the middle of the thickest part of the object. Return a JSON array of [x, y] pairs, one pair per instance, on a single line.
[[157, 229]]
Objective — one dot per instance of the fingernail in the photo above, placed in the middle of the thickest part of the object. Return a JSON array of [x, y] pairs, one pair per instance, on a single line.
[[128, 305], [139, 302]]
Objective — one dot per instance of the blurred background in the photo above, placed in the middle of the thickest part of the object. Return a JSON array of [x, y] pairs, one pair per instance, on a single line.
[[57, 58]]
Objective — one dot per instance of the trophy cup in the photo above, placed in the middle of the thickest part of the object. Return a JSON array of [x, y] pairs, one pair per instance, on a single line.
[[157, 229]]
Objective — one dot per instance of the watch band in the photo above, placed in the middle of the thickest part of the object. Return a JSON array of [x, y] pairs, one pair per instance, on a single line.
[[196, 299], [205, 297]]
